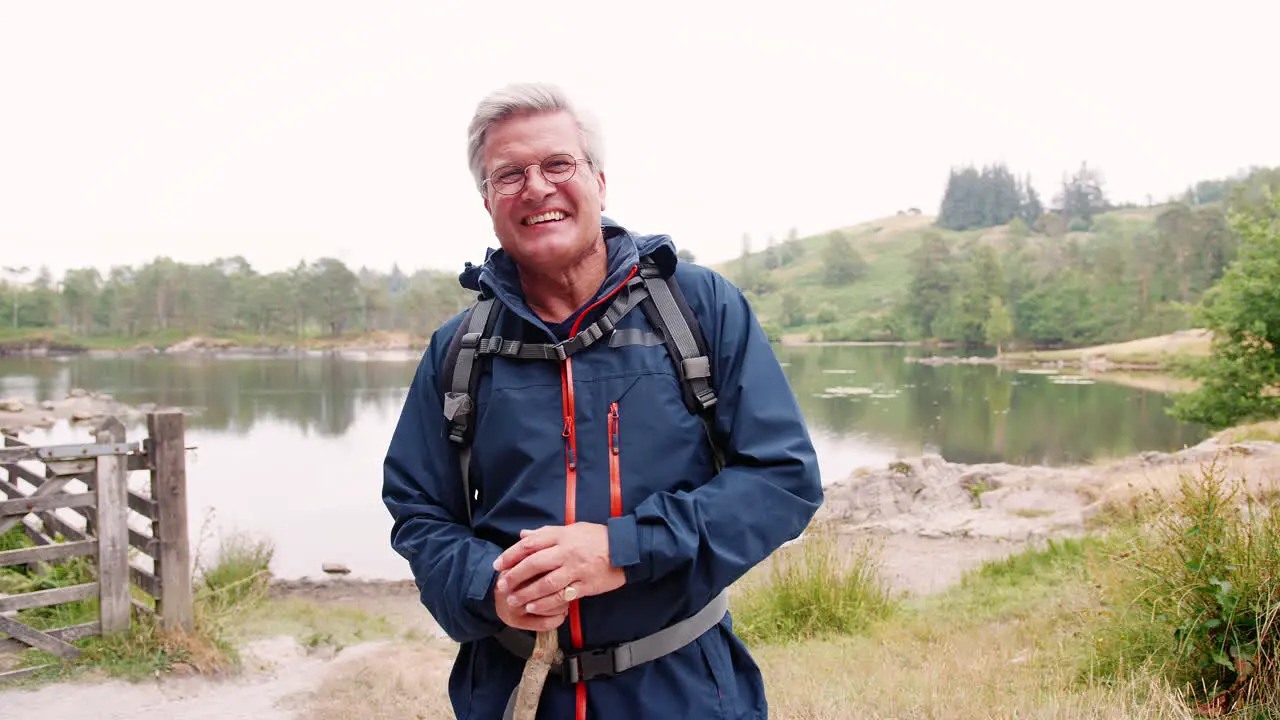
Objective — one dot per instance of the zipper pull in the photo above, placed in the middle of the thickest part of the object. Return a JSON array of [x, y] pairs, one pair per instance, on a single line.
[[615, 439]]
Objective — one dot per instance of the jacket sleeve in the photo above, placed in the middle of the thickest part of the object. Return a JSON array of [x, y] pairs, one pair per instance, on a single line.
[[769, 488], [422, 489]]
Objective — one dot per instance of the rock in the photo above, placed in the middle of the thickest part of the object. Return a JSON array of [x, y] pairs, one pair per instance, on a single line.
[[105, 398], [978, 481], [335, 568], [11, 405], [48, 405], [83, 415], [77, 393], [46, 421]]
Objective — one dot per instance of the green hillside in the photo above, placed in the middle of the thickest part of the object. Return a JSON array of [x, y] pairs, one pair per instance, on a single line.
[[997, 269], [788, 284]]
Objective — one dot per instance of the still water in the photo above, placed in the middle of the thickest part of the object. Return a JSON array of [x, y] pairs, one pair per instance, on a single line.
[[290, 447]]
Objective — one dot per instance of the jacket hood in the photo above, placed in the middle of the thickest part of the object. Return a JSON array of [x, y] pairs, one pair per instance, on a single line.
[[499, 277]]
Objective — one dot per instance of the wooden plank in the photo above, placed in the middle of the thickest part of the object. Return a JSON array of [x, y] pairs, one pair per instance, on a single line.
[[147, 544], [18, 508], [144, 506], [70, 467], [169, 489], [66, 634], [49, 552], [11, 675], [17, 472], [11, 455], [45, 598], [139, 462], [34, 534], [37, 639], [49, 489], [55, 524], [112, 524], [145, 580], [11, 490]]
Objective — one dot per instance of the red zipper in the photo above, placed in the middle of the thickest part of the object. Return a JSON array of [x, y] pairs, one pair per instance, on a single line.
[[615, 463], [570, 435]]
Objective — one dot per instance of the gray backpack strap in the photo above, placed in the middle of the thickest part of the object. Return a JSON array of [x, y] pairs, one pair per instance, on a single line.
[[668, 310], [459, 395], [692, 363]]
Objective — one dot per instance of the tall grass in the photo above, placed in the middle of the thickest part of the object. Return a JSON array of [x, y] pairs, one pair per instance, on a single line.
[[1196, 595], [816, 589], [235, 580]]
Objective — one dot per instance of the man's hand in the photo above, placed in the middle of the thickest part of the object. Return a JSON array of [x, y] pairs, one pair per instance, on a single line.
[[536, 572], [549, 617]]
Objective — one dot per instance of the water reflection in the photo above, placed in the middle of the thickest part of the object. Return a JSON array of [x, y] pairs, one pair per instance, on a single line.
[[291, 447], [976, 413]]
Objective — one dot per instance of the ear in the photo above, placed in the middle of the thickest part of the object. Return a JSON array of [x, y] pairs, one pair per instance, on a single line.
[[600, 180], [487, 209]]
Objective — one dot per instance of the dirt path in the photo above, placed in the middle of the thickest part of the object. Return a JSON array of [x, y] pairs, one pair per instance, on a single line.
[[277, 670]]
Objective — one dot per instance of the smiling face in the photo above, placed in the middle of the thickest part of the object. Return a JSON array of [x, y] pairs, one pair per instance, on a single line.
[[546, 226]]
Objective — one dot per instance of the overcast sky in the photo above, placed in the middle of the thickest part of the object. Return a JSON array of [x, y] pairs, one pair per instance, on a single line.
[[288, 130]]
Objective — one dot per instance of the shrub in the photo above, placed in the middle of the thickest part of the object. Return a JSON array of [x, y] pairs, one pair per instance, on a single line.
[[1199, 595], [815, 589]]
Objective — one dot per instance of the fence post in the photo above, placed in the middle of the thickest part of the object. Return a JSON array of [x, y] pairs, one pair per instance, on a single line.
[[113, 531], [169, 490]]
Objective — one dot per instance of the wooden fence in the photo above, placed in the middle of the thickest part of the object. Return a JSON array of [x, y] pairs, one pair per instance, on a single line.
[[76, 500]]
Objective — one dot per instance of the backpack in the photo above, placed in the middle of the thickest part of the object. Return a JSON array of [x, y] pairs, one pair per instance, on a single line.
[[474, 345]]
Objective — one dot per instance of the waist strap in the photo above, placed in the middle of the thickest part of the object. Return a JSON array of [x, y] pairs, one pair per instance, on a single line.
[[608, 661]]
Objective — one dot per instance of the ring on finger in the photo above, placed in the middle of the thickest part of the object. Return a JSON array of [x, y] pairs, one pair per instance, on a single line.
[[569, 594]]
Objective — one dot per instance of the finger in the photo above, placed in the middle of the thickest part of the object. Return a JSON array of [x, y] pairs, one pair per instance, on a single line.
[[551, 606], [530, 543], [542, 623], [539, 563], [546, 586]]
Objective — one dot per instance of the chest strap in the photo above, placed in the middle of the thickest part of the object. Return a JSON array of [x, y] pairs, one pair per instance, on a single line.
[[615, 659]]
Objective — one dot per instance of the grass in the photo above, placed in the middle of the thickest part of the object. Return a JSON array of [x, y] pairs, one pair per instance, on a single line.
[[233, 583], [1196, 593], [812, 590], [1155, 352], [1268, 430]]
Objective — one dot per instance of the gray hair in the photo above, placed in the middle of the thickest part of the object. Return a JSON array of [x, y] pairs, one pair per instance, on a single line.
[[519, 98]]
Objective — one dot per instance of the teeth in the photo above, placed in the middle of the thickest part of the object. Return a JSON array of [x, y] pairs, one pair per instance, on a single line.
[[544, 217]]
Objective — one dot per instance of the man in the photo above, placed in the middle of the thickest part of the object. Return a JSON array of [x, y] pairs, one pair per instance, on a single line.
[[593, 504]]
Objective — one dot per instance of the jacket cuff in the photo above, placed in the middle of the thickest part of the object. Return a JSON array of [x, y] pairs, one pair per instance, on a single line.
[[624, 542], [480, 584]]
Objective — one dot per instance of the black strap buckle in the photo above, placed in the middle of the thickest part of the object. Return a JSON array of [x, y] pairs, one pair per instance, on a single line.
[[589, 665]]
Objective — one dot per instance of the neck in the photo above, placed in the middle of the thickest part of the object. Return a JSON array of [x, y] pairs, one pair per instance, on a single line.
[[556, 295]]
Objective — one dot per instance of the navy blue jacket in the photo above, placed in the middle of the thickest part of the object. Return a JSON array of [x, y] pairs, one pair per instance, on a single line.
[[685, 533]]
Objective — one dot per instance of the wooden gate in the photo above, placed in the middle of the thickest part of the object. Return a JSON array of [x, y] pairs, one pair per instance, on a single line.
[[90, 483]]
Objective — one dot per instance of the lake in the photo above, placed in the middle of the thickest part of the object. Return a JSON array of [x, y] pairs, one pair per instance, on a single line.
[[291, 446]]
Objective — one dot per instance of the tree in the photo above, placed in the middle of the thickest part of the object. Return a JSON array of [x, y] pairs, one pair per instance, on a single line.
[[1242, 373], [1030, 208], [1082, 197], [932, 278], [685, 256], [999, 326], [792, 310], [841, 264]]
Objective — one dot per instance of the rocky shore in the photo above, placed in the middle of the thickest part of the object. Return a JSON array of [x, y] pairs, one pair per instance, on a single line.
[[934, 519], [18, 415]]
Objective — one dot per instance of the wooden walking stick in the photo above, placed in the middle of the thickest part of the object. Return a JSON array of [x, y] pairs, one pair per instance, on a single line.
[[546, 652]]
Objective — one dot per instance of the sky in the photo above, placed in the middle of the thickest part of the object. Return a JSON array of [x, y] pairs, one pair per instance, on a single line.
[[288, 130]]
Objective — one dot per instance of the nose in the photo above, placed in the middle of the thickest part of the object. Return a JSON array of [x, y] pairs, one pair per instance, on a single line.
[[536, 186]]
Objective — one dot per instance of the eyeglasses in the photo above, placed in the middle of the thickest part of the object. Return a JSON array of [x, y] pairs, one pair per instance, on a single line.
[[557, 169]]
